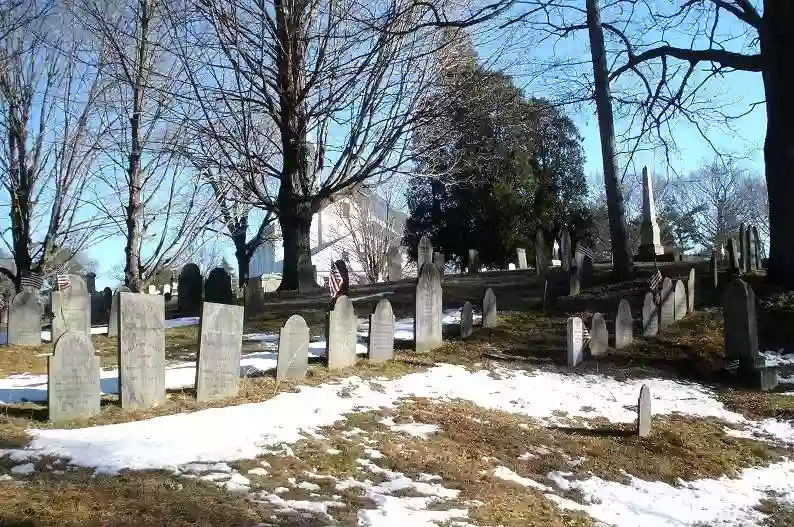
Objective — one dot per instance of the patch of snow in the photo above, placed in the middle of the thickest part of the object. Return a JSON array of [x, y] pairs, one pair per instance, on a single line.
[[280, 490], [314, 507], [333, 451], [258, 471], [216, 476], [198, 468], [420, 430], [308, 485], [777, 357], [351, 483], [427, 478], [23, 470], [374, 454], [237, 483], [506, 474], [526, 455]]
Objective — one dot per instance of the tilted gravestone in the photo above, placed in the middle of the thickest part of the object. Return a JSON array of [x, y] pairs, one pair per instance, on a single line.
[[381, 332], [438, 261], [741, 325], [220, 344], [424, 252], [71, 309], [644, 412], [650, 316], [191, 287], [624, 325], [521, 255], [113, 321], [541, 258], [341, 334], [733, 257], [565, 249], [667, 304], [474, 261], [466, 320], [293, 349], [757, 246], [714, 272], [489, 318], [427, 314], [690, 290], [218, 287], [680, 300], [395, 264], [575, 336], [599, 336], [24, 319], [742, 249], [141, 350], [73, 390]]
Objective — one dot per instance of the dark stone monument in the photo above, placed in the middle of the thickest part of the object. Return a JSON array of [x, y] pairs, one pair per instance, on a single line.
[[489, 318], [141, 349], [341, 334], [541, 252], [644, 412], [438, 261], [220, 343], [90, 283], [73, 390], [24, 319], [599, 336], [757, 246], [624, 325], [466, 320], [218, 287], [733, 258], [565, 249], [71, 309], [427, 314], [191, 285], [741, 325], [381, 332], [747, 258], [293, 349]]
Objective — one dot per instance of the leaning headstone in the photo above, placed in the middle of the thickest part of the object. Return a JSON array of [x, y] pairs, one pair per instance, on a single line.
[[650, 316], [293, 349], [667, 304], [427, 314], [714, 272], [341, 334], [742, 248], [624, 325], [424, 252], [220, 343], [733, 257], [474, 261], [141, 350], [24, 319], [757, 246], [599, 336], [218, 287], [73, 390], [680, 300], [438, 261], [489, 318], [113, 321], [395, 264], [191, 287], [575, 341], [71, 309], [741, 325], [521, 255], [644, 412], [541, 258], [690, 290], [381, 332], [466, 320], [565, 249]]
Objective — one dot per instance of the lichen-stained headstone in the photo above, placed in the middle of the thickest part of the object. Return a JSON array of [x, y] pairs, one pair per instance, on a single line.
[[650, 316], [24, 319], [428, 305], [73, 390], [220, 345], [424, 252], [71, 309], [667, 304], [141, 350], [293, 349], [466, 320], [381, 332], [741, 325], [644, 412], [489, 316], [680, 300], [599, 336], [624, 325], [575, 336], [341, 334]]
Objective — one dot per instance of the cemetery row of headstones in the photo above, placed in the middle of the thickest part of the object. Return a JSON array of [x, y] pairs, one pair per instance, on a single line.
[[744, 256]]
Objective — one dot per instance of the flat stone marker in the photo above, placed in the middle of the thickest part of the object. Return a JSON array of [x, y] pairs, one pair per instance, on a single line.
[[424, 252], [680, 296], [650, 316], [73, 390], [466, 320], [489, 318], [575, 337], [565, 249], [395, 264], [624, 325], [599, 336], [521, 256], [113, 321], [511, 266], [218, 287], [381, 332], [293, 349], [427, 314], [690, 290], [644, 412], [667, 304], [220, 343], [141, 350], [741, 324], [24, 319], [341, 334], [71, 309]]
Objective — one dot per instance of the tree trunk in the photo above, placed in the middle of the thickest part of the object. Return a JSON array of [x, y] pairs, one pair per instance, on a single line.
[[621, 256], [777, 34], [243, 264], [296, 272]]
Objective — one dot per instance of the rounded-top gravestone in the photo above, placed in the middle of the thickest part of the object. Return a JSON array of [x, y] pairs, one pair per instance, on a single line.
[[24, 319], [71, 309], [381, 332], [218, 287], [599, 336], [667, 304], [650, 316], [624, 325], [489, 318], [680, 300], [293, 349], [427, 314], [73, 389], [690, 290], [341, 334], [466, 320], [190, 290]]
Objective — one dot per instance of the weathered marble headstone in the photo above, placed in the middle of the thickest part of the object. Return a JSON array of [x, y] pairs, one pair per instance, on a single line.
[[381, 332], [575, 337], [71, 309], [624, 325], [644, 412], [474, 261], [680, 300], [427, 314], [565, 249], [757, 246], [748, 250], [667, 304], [714, 272], [489, 318], [733, 257], [521, 255], [24, 319], [220, 343], [293, 349], [395, 264], [599, 336], [690, 290], [191, 287], [218, 287], [650, 316], [650, 240], [541, 258], [73, 390], [113, 321], [341, 334], [141, 350], [438, 261], [466, 320], [742, 248], [424, 252], [741, 325]]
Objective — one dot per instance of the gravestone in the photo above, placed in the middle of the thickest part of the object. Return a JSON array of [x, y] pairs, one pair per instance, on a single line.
[[71, 309], [748, 250], [690, 290], [474, 261], [341, 334], [575, 336], [438, 261], [624, 325], [381, 332], [153, 290], [466, 320], [395, 264], [424, 252], [24, 319], [680, 300], [733, 258], [667, 304], [141, 350], [511, 266], [565, 249], [757, 245], [521, 255], [113, 321], [541, 258], [220, 343], [489, 318], [427, 314], [218, 287], [73, 390], [644, 412], [650, 239], [575, 282], [741, 325], [191, 286], [650, 316], [90, 282], [714, 272], [293, 349], [254, 297], [599, 336], [742, 249]]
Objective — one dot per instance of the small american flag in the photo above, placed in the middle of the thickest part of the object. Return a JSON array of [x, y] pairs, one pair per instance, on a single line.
[[585, 337], [2, 302], [587, 252], [335, 280], [62, 278], [35, 281], [655, 283]]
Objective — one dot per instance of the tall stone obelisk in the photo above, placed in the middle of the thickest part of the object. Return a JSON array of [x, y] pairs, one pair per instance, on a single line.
[[650, 241]]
